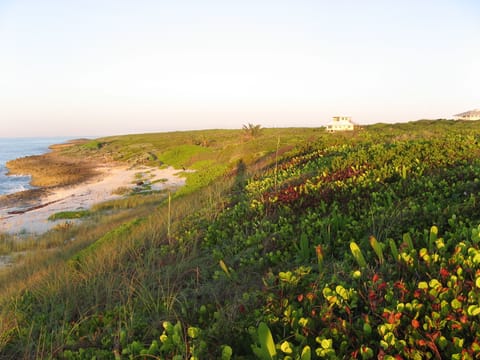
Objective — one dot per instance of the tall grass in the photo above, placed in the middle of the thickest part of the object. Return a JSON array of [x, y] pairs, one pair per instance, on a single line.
[[131, 271]]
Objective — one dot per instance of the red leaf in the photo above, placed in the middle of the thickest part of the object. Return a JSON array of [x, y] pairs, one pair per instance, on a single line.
[[421, 342], [444, 273], [456, 326], [391, 319], [400, 285], [382, 286]]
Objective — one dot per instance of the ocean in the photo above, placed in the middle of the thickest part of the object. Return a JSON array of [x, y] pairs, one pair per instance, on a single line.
[[13, 148]]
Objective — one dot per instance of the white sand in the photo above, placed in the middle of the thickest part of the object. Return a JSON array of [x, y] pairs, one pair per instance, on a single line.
[[83, 196]]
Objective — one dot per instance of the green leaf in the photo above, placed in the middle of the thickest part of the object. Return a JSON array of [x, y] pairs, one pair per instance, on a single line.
[[286, 348], [357, 254], [443, 342], [377, 247], [326, 343], [433, 237], [423, 285], [367, 329], [456, 304], [266, 341], [340, 290], [306, 353], [366, 352], [473, 310], [393, 249], [167, 325], [476, 258], [357, 274], [227, 352], [434, 284], [224, 268], [193, 332], [408, 241]]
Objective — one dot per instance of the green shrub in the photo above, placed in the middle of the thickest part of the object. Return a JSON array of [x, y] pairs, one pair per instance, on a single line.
[[67, 215]]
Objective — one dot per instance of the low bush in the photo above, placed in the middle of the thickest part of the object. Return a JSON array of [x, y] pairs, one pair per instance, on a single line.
[[67, 215]]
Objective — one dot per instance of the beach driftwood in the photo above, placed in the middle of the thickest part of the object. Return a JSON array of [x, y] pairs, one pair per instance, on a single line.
[[23, 211]]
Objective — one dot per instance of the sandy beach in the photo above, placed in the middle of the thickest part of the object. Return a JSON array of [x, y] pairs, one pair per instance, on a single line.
[[31, 216]]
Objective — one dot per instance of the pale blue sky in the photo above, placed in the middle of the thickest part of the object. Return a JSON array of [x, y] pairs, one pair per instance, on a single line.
[[98, 67]]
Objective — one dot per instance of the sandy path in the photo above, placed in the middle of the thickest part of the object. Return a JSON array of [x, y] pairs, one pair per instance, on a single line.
[[33, 218]]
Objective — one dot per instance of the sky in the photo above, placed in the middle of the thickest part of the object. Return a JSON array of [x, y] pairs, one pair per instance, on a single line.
[[106, 67]]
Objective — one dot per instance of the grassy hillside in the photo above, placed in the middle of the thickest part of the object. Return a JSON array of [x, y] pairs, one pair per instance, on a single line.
[[211, 153], [291, 244]]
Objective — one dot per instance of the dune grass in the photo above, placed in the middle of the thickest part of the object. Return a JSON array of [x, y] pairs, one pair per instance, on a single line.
[[84, 274], [66, 215]]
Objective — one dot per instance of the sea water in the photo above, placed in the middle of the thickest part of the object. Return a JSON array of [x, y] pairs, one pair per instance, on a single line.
[[14, 148]]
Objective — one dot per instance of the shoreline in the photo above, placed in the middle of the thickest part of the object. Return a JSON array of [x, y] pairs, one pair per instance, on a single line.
[[70, 183], [53, 168], [17, 148], [30, 215]]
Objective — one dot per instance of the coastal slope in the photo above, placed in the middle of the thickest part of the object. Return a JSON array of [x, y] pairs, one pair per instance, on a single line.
[[299, 244]]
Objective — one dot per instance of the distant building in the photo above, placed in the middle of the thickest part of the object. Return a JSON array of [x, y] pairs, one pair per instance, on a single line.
[[340, 123], [469, 115]]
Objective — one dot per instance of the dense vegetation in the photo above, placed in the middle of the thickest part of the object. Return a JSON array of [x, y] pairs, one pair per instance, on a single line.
[[297, 245]]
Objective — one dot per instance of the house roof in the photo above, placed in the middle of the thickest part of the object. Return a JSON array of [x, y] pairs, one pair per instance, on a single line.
[[474, 112], [342, 122]]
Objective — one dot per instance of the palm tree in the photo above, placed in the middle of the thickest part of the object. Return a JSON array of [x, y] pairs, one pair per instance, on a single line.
[[252, 130]]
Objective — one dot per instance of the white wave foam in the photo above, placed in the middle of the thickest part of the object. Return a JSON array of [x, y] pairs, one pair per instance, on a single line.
[[10, 187]]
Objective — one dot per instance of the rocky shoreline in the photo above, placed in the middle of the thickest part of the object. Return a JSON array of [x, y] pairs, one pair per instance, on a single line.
[[47, 171]]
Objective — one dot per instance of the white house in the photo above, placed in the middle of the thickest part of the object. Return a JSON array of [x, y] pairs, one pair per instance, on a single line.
[[469, 115], [340, 123]]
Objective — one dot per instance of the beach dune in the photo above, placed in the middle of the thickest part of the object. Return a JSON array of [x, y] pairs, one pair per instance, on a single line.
[[30, 214]]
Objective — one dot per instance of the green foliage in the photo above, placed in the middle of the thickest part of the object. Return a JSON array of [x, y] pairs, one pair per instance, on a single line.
[[352, 191], [266, 350], [393, 249], [377, 247], [93, 145], [181, 156], [357, 254], [69, 215], [202, 178]]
